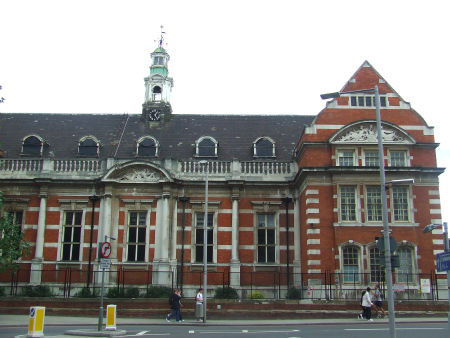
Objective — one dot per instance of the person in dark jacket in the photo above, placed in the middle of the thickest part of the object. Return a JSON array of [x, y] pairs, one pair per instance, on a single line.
[[175, 305]]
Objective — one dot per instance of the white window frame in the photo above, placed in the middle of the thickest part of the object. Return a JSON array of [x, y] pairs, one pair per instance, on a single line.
[[359, 262], [394, 150], [362, 100], [276, 237], [197, 146], [399, 273], [393, 191], [379, 206], [356, 204], [375, 270], [136, 244], [93, 138], [194, 237], [143, 138], [266, 138], [340, 155], [365, 157], [63, 229], [41, 150]]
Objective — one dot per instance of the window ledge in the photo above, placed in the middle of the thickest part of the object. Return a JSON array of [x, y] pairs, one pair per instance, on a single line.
[[274, 268], [199, 267]]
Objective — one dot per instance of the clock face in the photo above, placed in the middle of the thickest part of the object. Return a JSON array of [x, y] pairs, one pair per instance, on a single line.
[[154, 115]]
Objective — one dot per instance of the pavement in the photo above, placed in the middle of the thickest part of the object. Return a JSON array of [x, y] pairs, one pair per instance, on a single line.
[[22, 321]]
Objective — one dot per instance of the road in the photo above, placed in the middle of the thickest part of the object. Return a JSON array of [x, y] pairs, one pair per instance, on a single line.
[[344, 330]]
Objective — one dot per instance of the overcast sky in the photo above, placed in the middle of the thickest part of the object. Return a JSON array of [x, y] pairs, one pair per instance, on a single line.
[[227, 57]]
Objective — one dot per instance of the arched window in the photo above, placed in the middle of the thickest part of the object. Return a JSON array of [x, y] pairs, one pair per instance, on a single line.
[[147, 146], [264, 147], [405, 270], [376, 269], [32, 146], [156, 92], [350, 263], [206, 147], [88, 147]]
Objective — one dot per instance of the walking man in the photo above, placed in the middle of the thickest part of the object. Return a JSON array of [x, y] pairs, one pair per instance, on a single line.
[[175, 305], [378, 301]]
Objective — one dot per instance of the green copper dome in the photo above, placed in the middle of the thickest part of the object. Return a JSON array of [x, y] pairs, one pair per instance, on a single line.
[[160, 50]]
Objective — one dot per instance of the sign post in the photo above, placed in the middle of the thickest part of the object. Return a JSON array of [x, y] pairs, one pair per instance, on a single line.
[[105, 263]]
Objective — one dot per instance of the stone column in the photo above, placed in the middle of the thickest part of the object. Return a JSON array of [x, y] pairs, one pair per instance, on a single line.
[[105, 229], [173, 240], [161, 268], [235, 264], [297, 262], [36, 265], [165, 230], [173, 233]]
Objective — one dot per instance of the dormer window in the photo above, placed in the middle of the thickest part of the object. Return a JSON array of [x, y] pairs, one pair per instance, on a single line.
[[264, 147], [88, 147], [206, 147], [32, 146], [147, 146], [156, 93]]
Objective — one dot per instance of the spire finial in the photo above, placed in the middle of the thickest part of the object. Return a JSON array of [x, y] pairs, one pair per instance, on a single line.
[[161, 40]]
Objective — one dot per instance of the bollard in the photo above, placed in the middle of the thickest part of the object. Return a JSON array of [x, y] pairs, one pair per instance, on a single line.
[[36, 321], [111, 317]]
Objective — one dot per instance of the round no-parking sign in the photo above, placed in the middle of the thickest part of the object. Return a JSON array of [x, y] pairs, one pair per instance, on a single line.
[[105, 249]]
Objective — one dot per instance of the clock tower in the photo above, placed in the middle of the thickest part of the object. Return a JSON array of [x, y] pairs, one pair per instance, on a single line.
[[158, 86]]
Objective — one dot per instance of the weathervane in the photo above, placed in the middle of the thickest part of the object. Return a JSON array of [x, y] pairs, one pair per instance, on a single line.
[[2, 99], [161, 39]]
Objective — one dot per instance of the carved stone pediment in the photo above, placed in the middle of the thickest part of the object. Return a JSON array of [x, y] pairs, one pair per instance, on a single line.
[[367, 133], [141, 175], [137, 174]]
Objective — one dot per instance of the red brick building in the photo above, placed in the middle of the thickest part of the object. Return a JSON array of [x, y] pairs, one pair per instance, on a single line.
[[306, 185]]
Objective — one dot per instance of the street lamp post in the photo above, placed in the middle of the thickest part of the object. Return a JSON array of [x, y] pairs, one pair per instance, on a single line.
[[387, 245], [444, 227], [205, 241]]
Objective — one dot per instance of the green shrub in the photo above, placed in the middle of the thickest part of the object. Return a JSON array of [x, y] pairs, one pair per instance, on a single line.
[[226, 292], [115, 293], [158, 292], [2, 292], [132, 293], [86, 293], [256, 295], [36, 291], [294, 293]]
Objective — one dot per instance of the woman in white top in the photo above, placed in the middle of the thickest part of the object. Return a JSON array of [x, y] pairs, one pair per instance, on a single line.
[[199, 305]]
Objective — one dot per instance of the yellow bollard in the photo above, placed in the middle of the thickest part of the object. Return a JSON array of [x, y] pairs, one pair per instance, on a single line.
[[111, 317], [36, 321]]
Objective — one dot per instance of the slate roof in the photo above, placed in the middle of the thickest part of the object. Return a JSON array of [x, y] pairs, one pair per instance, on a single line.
[[234, 133]]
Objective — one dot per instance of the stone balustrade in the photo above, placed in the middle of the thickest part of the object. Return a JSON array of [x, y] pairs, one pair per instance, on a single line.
[[88, 168]]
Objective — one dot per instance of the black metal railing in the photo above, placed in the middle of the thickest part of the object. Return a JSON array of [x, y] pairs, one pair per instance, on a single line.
[[272, 284]]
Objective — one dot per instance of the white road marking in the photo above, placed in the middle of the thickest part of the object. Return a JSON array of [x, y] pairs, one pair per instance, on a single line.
[[398, 328], [246, 331], [191, 331], [141, 333]]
